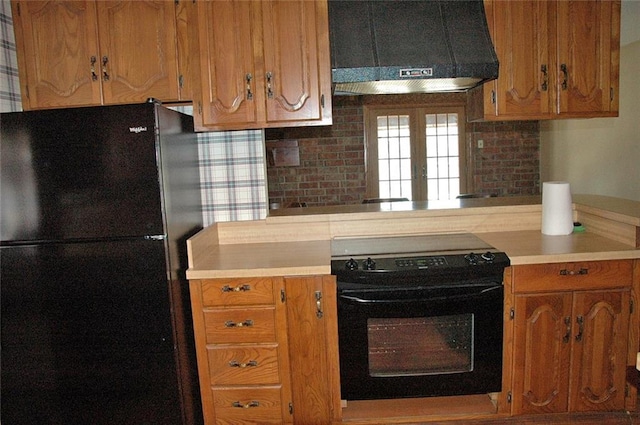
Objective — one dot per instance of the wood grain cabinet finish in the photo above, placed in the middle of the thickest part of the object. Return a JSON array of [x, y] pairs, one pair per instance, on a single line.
[[81, 53], [558, 59], [313, 344], [240, 327], [571, 336], [282, 367], [262, 64]]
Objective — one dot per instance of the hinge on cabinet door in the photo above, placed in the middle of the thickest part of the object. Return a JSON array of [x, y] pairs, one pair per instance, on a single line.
[[631, 306], [611, 93], [493, 97], [322, 101], [199, 108], [290, 408], [283, 296], [181, 80], [512, 313], [509, 397]]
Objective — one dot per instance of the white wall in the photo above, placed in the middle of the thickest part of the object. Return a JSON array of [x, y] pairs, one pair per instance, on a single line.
[[602, 155]]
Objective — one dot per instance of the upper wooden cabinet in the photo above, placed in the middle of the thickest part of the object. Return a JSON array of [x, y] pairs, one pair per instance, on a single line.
[[262, 64], [79, 53], [558, 59]]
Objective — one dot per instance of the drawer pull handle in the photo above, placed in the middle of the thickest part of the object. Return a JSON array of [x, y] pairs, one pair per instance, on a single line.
[[232, 324], [565, 272], [250, 363], [247, 405], [240, 288]]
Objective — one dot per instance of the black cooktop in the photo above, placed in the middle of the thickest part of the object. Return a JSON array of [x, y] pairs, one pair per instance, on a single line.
[[459, 254]]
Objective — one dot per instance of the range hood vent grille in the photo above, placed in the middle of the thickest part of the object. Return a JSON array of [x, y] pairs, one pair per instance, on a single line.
[[409, 46]]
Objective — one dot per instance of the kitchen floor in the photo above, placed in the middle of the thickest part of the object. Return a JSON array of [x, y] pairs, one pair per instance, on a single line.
[[611, 419], [619, 418]]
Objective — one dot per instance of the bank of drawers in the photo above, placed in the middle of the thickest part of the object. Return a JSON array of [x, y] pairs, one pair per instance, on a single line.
[[243, 326]]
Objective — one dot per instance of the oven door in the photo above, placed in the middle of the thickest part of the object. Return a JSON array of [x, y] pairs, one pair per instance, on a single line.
[[398, 342]]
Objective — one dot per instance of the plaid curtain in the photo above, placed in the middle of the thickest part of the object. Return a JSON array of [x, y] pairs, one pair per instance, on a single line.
[[9, 84]]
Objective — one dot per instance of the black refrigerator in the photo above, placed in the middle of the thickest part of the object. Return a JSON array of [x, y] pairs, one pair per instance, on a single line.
[[96, 205]]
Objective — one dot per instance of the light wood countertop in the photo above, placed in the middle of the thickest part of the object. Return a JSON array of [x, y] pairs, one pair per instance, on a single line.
[[264, 259], [299, 244], [532, 247], [314, 257]]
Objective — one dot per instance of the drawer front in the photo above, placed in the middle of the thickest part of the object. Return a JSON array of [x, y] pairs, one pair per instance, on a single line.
[[572, 276], [237, 325], [230, 292], [262, 405], [244, 365]]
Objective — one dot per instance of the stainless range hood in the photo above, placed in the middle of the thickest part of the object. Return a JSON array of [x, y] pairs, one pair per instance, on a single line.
[[409, 46]]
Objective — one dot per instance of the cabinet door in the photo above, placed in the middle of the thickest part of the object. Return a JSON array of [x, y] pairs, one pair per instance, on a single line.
[[599, 358], [521, 33], [138, 50], [226, 33], [585, 62], [313, 335], [295, 40], [542, 346], [57, 49]]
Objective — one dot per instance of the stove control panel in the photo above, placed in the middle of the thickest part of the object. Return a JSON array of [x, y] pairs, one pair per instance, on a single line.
[[406, 264], [420, 262]]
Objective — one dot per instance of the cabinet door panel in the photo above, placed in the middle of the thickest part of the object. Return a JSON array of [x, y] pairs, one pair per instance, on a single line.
[[56, 41], [600, 350], [521, 32], [228, 75], [291, 60], [541, 353], [584, 56], [139, 42], [312, 339]]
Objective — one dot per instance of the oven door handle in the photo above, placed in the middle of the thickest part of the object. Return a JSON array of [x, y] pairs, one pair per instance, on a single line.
[[353, 299]]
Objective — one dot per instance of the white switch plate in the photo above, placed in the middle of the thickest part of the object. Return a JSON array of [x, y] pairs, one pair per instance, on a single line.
[[480, 144]]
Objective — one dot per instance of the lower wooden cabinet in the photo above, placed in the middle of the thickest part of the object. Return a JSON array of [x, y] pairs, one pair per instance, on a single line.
[[267, 350], [571, 336], [240, 328], [267, 347], [313, 346]]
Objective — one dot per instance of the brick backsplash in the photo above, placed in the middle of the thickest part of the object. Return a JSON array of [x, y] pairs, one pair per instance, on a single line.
[[332, 165]]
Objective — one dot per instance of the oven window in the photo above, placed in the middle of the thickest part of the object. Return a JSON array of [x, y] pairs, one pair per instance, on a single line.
[[420, 345]]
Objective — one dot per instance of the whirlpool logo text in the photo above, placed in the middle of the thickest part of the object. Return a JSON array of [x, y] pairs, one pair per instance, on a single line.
[[137, 129]]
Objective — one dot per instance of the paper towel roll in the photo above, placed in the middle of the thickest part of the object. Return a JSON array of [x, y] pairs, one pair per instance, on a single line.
[[557, 214]]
